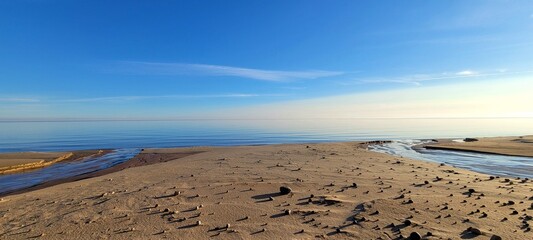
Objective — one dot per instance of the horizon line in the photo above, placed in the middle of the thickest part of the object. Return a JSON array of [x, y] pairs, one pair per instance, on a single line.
[[5, 120]]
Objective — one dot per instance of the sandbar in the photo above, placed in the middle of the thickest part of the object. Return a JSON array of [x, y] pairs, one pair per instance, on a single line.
[[511, 146]]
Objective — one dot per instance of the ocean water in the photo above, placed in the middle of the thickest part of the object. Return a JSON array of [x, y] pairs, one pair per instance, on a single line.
[[127, 137], [71, 135]]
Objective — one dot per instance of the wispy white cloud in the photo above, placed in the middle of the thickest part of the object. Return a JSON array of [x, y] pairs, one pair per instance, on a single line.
[[294, 88], [18, 100], [157, 68], [466, 73], [458, 40], [470, 14], [418, 79], [141, 97], [132, 98]]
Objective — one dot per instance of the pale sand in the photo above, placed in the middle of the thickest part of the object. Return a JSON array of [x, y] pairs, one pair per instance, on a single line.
[[12, 159], [232, 185], [25, 161], [515, 146]]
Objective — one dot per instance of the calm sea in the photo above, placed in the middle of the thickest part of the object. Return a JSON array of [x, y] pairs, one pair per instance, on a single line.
[[70, 135]]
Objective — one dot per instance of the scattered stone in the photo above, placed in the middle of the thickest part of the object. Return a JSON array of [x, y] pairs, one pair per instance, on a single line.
[[474, 230], [470, 140], [495, 237], [415, 236], [288, 212], [285, 190]]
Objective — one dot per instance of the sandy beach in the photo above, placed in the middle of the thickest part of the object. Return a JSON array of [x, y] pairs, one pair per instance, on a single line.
[[337, 191], [512, 146]]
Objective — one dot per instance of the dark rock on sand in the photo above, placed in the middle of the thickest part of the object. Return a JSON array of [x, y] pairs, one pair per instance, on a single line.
[[470, 140], [415, 236], [475, 231], [495, 237], [285, 190]]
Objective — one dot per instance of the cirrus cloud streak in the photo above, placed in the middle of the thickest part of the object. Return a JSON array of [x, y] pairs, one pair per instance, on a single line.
[[158, 68]]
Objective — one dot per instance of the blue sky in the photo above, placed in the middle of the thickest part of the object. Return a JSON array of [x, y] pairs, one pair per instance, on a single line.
[[187, 59]]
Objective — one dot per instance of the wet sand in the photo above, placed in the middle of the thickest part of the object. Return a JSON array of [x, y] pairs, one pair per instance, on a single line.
[[512, 146], [27, 161], [142, 159], [337, 191]]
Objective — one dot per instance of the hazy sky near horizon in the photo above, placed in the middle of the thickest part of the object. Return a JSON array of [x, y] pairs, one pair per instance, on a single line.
[[265, 59]]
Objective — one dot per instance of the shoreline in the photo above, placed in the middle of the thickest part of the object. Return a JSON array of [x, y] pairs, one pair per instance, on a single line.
[[337, 190], [452, 149], [159, 155], [20, 162], [141, 159], [519, 146]]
